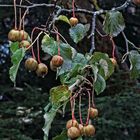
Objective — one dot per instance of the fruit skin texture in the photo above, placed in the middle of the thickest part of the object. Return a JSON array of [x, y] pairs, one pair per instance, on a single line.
[[73, 132], [89, 130], [81, 128], [72, 123], [22, 35], [31, 64], [113, 60], [13, 35], [137, 2], [25, 44], [73, 21], [52, 67], [93, 112], [42, 70], [57, 61]]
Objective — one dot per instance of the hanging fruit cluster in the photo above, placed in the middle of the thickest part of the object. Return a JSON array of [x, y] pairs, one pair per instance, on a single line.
[[75, 129], [18, 34]]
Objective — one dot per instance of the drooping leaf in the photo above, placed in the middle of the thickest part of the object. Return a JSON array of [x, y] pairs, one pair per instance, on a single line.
[[134, 58], [100, 84], [62, 136], [79, 59], [49, 45], [14, 46], [49, 117], [78, 62], [78, 32], [114, 23], [105, 66], [95, 72], [66, 51], [66, 67], [64, 18], [59, 94], [16, 59]]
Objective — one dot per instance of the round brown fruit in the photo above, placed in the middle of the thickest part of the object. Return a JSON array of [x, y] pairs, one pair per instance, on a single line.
[[31, 64], [22, 35], [42, 70], [89, 130], [81, 128], [93, 112], [57, 61], [24, 44], [113, 60], [73, 132], [73, 21], [72, 123], [52, 67], [13, 35], [137, 2]]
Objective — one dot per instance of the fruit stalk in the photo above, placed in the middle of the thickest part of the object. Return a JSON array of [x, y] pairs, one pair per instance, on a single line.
[[20, 13], [38, 52], [73, 12], [15, 10], [87, 122], [113, 47], [80, 114]]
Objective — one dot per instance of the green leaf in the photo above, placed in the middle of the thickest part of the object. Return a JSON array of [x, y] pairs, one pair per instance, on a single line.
[[59, 94], [66, 67], [63, 18], [105, 66], [114, 23], [16, 59], [78, 32], [100, 84], [79, 59], [62, 136], [134, 58], [66, 51], [14, 46], [49, 117], [49, 45], [78, 62]]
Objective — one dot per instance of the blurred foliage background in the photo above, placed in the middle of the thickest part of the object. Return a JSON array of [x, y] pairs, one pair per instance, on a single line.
[[21, 109]]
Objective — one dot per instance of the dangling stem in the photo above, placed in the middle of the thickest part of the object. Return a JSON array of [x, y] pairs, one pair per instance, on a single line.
[[22, 19], [15, 9], [58, 40], [38, 51], [88, 108], [113, 47], [93, 104], [80, 114], [73, 2], [32, 42], [72, 108], [20, 14], [33, 53]]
